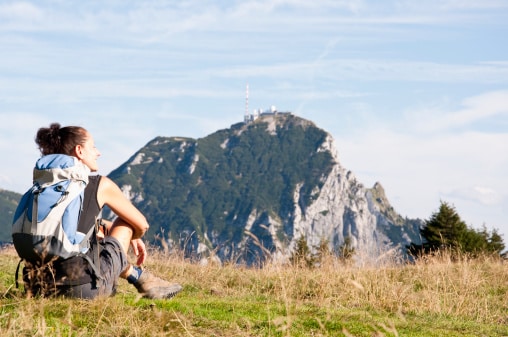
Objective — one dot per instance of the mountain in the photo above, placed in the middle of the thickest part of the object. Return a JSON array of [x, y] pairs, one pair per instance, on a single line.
[[8, 203], [251, 191]]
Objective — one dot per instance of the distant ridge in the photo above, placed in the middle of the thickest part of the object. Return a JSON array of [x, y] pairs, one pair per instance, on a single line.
[[8, 203]]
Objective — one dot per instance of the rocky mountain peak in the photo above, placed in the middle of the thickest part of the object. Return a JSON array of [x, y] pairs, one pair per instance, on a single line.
[[249, 192]]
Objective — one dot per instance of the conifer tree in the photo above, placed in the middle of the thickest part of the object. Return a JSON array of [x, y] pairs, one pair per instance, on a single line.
[[301, 255], [323, 250], [444, 228], [495, 243], [346, 250]]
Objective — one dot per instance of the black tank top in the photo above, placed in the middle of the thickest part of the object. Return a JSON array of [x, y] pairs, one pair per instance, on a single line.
[[91, 208]]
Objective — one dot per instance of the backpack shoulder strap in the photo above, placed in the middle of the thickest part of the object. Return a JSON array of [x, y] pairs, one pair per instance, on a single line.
[[17, 273], [91, 209], [92, 243]]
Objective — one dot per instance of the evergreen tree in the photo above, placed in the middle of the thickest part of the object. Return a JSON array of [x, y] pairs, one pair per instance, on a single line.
[[323, 250], [346, 250], [444, 229], [495, 243], [301, 255]]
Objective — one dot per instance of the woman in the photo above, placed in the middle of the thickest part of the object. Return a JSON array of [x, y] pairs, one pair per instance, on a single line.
[[74, 277]]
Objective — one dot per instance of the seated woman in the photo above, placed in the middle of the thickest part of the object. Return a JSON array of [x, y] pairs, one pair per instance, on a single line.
[[75, 277]]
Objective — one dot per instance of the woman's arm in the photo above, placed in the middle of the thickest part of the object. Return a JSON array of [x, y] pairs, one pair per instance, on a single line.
[[110, 194]]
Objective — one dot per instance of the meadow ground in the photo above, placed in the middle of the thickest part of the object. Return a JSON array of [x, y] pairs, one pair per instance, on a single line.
[[435, 297]]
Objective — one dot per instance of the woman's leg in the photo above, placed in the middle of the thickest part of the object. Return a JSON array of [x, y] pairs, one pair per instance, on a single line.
[[122, 231], [145, 282]]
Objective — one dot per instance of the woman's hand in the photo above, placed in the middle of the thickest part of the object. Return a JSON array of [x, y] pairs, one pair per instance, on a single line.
[[139, 249], [104, 228]]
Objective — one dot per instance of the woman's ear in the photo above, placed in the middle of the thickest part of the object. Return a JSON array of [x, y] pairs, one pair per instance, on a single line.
[[78, 150]]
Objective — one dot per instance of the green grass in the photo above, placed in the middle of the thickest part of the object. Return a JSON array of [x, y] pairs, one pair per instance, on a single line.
[[439, 298]]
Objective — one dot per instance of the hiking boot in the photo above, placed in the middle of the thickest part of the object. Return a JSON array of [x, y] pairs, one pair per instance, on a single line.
[[151, 286]]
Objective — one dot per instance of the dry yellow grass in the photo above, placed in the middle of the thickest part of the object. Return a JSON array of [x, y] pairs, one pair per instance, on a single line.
[[464, 297], [474, 288]]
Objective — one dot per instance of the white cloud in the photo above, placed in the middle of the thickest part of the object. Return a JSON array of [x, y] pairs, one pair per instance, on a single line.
[[157, 21], [418, 168], [471, 4], [21, 11], [483, 195], [473, 109]]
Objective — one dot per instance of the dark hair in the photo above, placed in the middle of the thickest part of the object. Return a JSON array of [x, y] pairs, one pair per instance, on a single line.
[[56, 139]]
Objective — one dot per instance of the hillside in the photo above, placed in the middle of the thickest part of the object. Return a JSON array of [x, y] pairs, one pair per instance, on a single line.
[[250, 191], [8, 203]]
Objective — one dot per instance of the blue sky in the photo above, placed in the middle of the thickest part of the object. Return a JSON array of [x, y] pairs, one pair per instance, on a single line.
[[415, 93]]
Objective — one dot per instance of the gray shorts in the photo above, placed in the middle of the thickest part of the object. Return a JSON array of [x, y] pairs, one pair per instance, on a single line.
[[112, 262]]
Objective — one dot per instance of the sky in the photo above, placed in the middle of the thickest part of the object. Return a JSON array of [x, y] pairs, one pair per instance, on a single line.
[[415, 93]]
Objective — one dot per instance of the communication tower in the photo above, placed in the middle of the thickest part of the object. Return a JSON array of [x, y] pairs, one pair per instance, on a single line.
[[246, 117]]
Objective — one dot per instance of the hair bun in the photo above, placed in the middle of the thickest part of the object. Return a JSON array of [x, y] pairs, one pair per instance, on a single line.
[[54, 128], [54, 134]]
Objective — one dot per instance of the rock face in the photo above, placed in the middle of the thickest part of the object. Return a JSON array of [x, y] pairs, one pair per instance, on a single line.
[[341, 210], [248, 193]]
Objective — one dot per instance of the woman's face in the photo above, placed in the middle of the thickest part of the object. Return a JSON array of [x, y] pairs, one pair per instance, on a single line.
[[88, 153]]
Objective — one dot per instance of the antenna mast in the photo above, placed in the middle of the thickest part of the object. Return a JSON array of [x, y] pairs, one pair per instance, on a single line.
[[246, 116]]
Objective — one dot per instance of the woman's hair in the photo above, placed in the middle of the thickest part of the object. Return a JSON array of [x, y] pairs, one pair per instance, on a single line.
[[62, 140]]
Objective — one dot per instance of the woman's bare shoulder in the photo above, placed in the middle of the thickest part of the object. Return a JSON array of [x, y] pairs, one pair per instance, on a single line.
[[107, 183]]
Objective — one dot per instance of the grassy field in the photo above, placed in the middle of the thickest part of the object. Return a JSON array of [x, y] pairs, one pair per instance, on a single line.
[[437, 297]]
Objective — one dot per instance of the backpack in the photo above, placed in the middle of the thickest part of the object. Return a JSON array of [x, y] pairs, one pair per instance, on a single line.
[[46, 219]]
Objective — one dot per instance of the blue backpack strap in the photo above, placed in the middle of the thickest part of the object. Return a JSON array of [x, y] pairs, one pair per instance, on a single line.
[[35, 212]]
